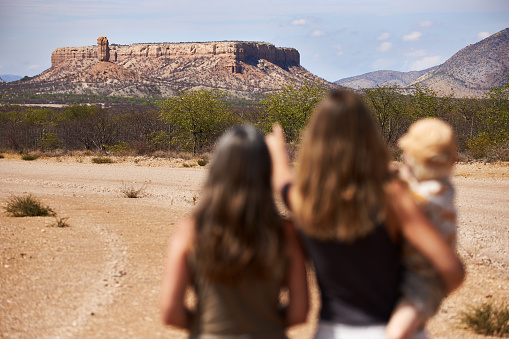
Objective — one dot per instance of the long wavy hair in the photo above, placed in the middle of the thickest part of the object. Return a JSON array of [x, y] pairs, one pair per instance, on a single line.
[[342, 168], [238, 227]]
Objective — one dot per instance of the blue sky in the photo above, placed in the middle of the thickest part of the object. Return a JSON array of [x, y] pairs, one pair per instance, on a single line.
[[336, 38]]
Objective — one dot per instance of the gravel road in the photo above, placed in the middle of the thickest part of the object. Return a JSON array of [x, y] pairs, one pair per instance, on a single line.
[[99, 278]]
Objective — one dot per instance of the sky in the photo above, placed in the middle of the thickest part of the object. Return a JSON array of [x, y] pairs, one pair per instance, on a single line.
[[335, 38]]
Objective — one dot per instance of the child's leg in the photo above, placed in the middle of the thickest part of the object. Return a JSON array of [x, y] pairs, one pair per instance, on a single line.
[[404, 322]]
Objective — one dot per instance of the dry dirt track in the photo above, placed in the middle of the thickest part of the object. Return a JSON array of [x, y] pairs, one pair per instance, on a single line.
[[100, 277]]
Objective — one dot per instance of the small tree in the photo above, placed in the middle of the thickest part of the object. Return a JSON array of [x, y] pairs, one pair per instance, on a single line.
[[198, 117], [292, 106], [493, 123], [388, 106]]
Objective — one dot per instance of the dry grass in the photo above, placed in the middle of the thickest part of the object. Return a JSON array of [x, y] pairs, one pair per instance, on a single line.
[[480, 170], [102, 160], [487, 319], [27, 206], [130, 190]]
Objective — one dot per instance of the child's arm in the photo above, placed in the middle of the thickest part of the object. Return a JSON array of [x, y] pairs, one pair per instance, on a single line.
[[297, 309], [177, 277]]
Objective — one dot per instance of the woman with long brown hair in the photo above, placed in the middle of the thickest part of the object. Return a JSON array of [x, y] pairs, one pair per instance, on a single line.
[[236, 251], [352, 215]]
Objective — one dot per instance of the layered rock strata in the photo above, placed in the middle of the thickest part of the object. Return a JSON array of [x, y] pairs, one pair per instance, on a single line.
[[234, 52]]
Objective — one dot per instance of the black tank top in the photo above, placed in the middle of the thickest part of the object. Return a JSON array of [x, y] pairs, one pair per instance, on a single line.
[[359, 282]]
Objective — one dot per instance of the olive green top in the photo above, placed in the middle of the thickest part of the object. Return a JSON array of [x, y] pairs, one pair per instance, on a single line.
[[248, 310]]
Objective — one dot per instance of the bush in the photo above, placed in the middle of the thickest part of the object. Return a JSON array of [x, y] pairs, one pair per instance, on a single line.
[[122, 148], [487, 319], [27, 206], [2, 156], [49, 141], [202, 162], [29, 157], [60, 222], [130, 191], [102, 160]]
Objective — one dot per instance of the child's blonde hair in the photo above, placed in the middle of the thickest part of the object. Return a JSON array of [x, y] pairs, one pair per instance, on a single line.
[[429, 148]]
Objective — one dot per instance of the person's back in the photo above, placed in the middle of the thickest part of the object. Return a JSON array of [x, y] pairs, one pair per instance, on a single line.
[[228, 311], [359, 281], [236, 251]]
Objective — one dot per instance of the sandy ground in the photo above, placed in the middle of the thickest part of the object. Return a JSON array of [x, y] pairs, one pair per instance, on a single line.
[[99, 278]]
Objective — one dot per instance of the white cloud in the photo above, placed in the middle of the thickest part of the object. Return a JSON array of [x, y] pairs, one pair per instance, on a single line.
[[425, 23], [414, 36], [384, 47], [299, 22], [384, 36], [483, 35], [316, 33], [339, 49], [426, 62], [416, 53], [33, 67]]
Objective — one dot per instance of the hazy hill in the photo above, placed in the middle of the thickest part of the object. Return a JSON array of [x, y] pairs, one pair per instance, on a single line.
[[10, 77], [470, 72], [474, 69], [379, 78]]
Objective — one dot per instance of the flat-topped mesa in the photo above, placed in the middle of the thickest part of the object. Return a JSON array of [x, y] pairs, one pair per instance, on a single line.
[[235, 51]]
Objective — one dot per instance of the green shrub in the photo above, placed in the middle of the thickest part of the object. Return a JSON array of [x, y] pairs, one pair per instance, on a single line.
[[478, 146], [121, 149], [102, 160], [202, 162], [27, 206], [2, 156], [29, 157], [487, 319], [49, 141]]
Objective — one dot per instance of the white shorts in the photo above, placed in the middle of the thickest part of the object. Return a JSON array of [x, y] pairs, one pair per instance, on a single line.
[[327, 330]]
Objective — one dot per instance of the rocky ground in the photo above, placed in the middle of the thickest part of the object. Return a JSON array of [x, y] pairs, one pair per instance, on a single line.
[[99, 278]]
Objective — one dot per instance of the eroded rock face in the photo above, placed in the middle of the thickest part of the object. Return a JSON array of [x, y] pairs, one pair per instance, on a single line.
[[63, 54], [103, 49], [233, 51]]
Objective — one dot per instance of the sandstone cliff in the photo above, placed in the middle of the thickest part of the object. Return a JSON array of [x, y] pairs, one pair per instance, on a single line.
[[234, 51], [245, 69]]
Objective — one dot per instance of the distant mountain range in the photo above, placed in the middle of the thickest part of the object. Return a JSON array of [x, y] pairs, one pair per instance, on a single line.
[[469, 73], [9, 77], [380, 78]]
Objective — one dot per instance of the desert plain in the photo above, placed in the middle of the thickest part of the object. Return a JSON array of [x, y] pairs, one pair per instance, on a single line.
[[100, 277]]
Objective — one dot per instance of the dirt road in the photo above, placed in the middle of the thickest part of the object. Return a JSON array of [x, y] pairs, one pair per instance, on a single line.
[[100, 277]]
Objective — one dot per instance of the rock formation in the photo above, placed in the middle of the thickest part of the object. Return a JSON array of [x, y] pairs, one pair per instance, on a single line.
[[243, 69], [103, 49], [232, 51]]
